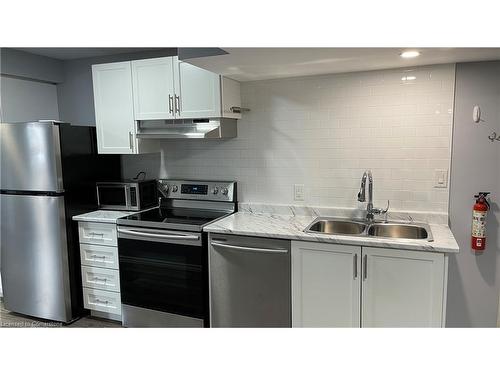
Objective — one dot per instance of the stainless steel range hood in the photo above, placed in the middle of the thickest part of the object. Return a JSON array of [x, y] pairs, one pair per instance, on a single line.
[[219, 128]]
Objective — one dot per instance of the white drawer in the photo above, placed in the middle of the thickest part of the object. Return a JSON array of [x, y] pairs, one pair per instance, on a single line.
[[97, 233], [101, 300], [99, 256], [101, 278]]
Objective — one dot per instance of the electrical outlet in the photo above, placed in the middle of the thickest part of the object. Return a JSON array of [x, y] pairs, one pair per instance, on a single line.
[[440, 178], [298, 192]]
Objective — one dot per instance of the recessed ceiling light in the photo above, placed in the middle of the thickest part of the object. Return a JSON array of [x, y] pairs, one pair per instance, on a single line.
[[408, 78], [409, 54]]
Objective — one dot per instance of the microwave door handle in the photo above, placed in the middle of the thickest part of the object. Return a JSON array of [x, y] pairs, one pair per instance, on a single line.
[[155, 235], [127, 196]]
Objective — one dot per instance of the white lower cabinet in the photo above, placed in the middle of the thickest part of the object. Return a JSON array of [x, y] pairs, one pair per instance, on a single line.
[[402, 288], [351, 286], [101, 278], [100, 269], [99, 256], [102, 301], [325, 285]]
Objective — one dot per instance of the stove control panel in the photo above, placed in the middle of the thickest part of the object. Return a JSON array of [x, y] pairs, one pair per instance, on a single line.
[[224, 191]]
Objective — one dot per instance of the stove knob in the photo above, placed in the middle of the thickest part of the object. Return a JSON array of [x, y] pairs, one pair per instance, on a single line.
[[224, 191], [174, 189], [215, 190]]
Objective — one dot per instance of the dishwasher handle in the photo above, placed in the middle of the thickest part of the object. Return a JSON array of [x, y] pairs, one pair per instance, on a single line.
[[247, 248]]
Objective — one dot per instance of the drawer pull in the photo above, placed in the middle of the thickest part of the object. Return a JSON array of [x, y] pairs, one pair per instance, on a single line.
[[94, 234], [98, 256], [104, 280], [105, 302]]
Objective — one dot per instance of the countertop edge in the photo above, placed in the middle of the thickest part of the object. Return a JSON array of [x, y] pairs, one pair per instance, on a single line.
[[342, 241], [241, 224]]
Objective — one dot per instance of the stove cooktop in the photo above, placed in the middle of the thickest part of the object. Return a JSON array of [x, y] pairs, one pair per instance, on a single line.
[[173, 218], [187, 205]]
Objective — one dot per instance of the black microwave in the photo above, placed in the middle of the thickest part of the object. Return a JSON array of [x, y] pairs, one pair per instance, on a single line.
[[127, 195]]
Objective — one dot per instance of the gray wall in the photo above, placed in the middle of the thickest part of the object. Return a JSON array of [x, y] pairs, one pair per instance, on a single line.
[[474, 283], [27, 65], [75, 94], [28, 86], [27, 100]]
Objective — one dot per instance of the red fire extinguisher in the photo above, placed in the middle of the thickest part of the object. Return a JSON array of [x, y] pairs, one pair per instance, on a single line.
[[479, 212]]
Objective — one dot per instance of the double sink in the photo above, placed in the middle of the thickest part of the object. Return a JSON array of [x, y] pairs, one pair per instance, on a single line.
[[347, 227]]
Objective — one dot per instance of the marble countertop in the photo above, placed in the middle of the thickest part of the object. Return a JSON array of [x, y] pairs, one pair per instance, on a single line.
[[292, 227], [102, 216]]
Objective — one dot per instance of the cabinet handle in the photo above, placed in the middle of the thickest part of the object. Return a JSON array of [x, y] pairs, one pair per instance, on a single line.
[[365, 267], [104, 280], [97, 300], [98, 256], [93, 234], [171, 104], [130, 140], [355, 261], [238, 109], [177, 104]]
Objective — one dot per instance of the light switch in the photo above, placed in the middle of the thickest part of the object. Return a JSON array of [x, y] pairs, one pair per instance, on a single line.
[[298, 192], [440, 178]]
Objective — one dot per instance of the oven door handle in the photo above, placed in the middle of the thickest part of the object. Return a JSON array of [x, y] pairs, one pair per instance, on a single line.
[[246, 248], [162, 236]]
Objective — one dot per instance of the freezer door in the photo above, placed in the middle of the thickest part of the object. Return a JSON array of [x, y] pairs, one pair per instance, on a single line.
[[34, 266], [30, 157]]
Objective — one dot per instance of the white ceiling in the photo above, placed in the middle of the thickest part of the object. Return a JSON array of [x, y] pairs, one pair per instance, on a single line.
[[78, 53], [250, 64]]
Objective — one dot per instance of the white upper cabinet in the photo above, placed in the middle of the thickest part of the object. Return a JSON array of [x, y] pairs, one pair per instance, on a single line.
[[114, 108], [325, 285], [155, 89], [231, 98], [198, 92], [403, 288], [153, 86], [166, 88]]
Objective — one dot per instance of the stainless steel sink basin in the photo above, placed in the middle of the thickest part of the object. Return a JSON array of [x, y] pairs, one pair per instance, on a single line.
[[391, 230], [334, 226], [347, 227]]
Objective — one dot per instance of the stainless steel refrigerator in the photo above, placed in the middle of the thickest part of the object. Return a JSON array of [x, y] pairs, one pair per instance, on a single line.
[[48, 174]]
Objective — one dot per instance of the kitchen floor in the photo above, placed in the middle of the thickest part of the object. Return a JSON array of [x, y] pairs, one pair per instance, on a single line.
[[9, 319]]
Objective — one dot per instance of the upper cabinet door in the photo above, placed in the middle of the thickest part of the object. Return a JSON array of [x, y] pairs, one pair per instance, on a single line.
[[114, 109], [402, 288], [325, 285], [153, 82], [198, 93]]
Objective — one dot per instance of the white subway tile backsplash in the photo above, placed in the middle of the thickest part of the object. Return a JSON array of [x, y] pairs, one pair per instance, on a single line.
[[324, 131]]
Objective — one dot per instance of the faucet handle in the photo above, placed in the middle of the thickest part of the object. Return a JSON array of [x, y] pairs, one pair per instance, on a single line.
[[384, 211], [381, 211]]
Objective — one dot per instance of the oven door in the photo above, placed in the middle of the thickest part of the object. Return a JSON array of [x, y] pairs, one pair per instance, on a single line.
[[163, 277]]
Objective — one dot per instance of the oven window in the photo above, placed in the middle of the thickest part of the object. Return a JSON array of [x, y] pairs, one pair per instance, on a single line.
[[162, 276], [112, 196]]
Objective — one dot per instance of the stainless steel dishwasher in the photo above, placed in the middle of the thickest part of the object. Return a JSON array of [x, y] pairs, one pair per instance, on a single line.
[[249, 282]]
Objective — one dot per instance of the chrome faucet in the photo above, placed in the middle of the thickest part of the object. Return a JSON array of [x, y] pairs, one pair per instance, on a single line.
[[370, 210]]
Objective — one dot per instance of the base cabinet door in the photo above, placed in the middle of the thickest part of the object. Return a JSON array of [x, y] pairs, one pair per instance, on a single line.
[[402, 288], [325, 285]]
